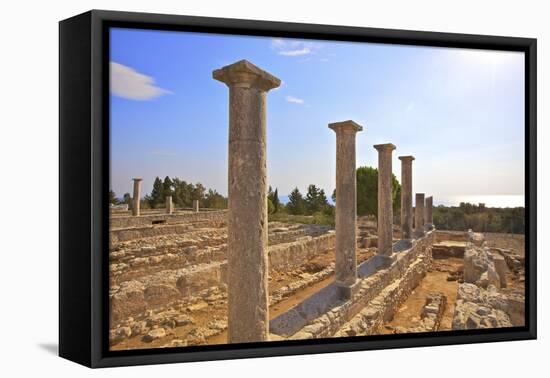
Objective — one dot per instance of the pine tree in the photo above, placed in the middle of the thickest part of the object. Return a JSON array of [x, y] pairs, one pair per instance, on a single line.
[[167, 187], [112, 197], [296, 205], [273, 196], [275, 200], [156, 196]]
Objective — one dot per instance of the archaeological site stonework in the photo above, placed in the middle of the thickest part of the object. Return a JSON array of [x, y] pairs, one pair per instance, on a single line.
[[201, 276]]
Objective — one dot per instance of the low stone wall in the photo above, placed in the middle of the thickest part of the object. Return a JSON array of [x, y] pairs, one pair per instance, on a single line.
[[483, 300], [289, 256], [383, 307], [133, 233], [457, 236], [479, 308], [134, 297], [149, 291], [324, 313], [446, 249], [430, 317], [150, 219]]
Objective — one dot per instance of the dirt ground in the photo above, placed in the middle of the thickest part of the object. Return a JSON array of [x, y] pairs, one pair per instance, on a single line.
[[435, 281]]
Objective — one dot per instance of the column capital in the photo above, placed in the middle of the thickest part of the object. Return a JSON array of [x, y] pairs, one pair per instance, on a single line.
[[244, 74], [348, 125], [386, 147], [406, 158], [137, 179]]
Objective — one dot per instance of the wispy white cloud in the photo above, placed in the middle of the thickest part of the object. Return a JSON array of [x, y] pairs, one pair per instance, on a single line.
[[294, 100], [128, 83], [410, 107], [293, 48]]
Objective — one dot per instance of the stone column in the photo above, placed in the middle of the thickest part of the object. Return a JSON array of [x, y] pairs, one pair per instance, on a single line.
[[169, 206], [136, 204], [385, 206], [419, 215], [428, 217], [196, 206], [247, 274], [346, 206], [406, 197]]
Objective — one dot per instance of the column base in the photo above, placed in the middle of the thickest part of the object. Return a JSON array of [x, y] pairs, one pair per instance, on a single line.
[[347, 291], [402, 245], [383, 261]]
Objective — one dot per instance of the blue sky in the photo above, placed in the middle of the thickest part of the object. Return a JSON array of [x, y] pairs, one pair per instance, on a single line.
[[459, 112]]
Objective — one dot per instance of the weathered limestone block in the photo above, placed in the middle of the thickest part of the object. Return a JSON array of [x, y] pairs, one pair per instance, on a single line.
[[128, 300], [480, 308], [476, 238], [160, 294], [469, 315], [289, 256], [448, 249], [479, 267]]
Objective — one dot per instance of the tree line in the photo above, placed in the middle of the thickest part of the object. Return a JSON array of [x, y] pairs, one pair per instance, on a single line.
[[314, 207], [480, 218], [183, 194]]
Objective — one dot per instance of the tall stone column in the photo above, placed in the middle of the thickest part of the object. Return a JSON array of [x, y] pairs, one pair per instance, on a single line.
[[419, 215], [406, 197], [136, 204], [385, 206], [247, 205], [428, 220], [169, 206], [196, 206], [346, 206]]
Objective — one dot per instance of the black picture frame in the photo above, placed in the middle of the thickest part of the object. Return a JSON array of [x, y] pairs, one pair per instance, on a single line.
[[84, 175]]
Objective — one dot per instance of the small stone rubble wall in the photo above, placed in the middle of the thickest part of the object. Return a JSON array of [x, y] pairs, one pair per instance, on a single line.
[[156, 287], [456, 236], [430, 317], [289, 256], [482, 300], [148, 219], [376, 299], [445, 250], [133, 233]]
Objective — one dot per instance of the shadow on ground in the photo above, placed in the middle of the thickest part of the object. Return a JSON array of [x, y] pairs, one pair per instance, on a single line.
[[51, 348]]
